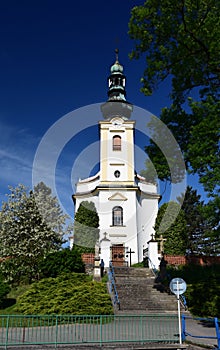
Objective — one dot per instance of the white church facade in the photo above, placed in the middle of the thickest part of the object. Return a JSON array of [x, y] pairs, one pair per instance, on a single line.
[[126, 203]]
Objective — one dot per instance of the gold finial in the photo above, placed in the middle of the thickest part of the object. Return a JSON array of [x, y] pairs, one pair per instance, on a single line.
[[116, 54]]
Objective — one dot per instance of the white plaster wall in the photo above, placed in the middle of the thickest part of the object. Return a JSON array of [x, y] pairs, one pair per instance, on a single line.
[[105, 252], [148, 211], [117, 160], [140, 233], [138, 215], [126, 234], [153, 255], [87, 185], [147, 187], [138, 219]]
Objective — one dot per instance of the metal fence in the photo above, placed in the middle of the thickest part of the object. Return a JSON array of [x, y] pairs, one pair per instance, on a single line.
[[208, 330], [37, 330]]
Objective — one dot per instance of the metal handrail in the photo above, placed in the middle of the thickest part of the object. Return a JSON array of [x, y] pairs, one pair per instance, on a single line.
[[215, 321], [153, 267], [156, 274], [111, 277]]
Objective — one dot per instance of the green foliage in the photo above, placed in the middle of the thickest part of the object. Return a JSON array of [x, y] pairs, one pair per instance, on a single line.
[[140, 264], [204, 299], [191, 232], [197, 134], [181, 40], [16, 291], [203, 288], [63, 261], [26, 235], [164, 154], [74, 294], [86, 224], [198, 228], [9, 303], [203, 149], [4, 290], [174, 231]]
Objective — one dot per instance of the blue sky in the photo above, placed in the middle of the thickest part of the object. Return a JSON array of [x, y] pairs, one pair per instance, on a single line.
[[55, 58]]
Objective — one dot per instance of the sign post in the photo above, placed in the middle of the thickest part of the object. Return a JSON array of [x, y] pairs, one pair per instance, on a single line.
[[178, 287]]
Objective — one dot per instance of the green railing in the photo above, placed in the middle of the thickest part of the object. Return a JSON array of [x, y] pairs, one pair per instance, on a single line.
[[63, 329]]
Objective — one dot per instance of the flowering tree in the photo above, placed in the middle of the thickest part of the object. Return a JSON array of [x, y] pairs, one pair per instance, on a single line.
[[26, 236]]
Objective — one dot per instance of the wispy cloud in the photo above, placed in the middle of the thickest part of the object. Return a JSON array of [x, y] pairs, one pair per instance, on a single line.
[[17, 148], [17, 151]]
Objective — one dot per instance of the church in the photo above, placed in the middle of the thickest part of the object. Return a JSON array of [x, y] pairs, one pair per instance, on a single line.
[[126, 203]]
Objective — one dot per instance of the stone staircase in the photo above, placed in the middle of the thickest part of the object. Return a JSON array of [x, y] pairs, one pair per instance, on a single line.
[[139, 293]]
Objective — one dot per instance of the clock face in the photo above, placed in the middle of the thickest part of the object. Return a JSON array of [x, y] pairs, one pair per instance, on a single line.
[[117, 122], [117, 173]]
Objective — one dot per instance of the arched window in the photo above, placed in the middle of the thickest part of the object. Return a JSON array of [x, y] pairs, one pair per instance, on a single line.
[[117, 216], [116, 143]]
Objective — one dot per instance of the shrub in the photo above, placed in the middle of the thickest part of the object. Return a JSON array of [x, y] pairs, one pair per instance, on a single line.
[[4, 290], [73, 293], [203, 288], [63, 261]]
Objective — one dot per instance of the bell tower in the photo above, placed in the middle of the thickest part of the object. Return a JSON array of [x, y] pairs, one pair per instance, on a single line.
[[117, 132], [126, 203]]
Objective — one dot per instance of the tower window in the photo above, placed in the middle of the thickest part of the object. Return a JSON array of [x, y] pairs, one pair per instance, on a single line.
[[117, 216], [117, 173], [116, 143]]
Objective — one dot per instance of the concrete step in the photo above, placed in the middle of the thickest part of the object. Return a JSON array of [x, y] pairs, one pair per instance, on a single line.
[[132, 271], [146, 312], [139, 293]]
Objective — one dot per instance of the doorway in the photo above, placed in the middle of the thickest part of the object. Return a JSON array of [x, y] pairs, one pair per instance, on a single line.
[[118, 255]]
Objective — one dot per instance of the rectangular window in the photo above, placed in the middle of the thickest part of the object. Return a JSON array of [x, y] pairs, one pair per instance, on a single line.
[[117, 216], [117, 143]]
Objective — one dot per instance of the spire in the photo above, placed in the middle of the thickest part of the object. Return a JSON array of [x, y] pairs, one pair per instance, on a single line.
[[116, 81], [116, 54], [116, 104]]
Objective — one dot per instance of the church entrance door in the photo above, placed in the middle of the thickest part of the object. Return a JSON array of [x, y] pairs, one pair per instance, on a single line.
[[118, 255]]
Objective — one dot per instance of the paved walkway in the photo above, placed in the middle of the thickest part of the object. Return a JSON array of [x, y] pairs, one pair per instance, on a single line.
[[121, 329], [201, 328]]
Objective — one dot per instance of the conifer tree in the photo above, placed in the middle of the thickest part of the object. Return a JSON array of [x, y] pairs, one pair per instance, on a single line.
[[86, 224], [202, 237], [174, 234]]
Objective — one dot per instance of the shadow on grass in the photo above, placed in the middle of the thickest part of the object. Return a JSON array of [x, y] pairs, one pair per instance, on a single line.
[[7, 303]]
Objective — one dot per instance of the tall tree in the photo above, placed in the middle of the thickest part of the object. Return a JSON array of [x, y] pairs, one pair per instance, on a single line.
[[201, 235], [181, 41], [49, 208], [191, 232], [173, 233], [86, 224], [25, 235]]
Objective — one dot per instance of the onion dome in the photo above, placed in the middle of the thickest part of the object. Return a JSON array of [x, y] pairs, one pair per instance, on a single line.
[[116, 82], [116, 103]]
